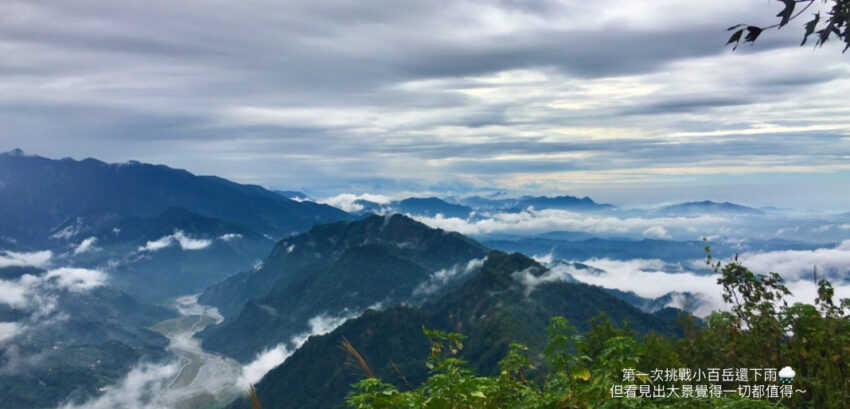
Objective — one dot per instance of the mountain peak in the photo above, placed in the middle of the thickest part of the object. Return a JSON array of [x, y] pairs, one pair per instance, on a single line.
[[14, 152]]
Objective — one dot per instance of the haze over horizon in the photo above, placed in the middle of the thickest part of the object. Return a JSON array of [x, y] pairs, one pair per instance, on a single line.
[[478, 96]]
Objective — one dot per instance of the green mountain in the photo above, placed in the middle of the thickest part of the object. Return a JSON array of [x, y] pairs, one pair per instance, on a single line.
[[334, 270], [508, 300]]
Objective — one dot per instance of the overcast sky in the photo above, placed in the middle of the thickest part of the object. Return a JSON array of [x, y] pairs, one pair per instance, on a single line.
[[630, 102]]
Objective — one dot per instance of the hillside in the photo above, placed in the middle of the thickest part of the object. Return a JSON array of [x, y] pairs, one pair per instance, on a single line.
[[71, 343], [332, 271], [495, 307], [39, 195]]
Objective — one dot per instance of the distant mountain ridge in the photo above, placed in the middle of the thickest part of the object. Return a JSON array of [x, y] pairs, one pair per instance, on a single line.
[[692, 208], [469, 207], [37, 195]]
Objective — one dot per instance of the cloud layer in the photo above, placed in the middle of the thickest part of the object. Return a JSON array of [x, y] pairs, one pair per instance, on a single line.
[[539, 221], [627, 101], [654, 278], [267, 360]]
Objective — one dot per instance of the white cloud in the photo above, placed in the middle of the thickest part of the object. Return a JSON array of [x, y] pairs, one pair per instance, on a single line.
[[538, 221], [263, 363], [270, 358], [36, 295], [158, 244], [9, 330], [654, 278], [651, 279], [230, 236], [531, 278], [185, 242], [657, 232], [86, 246], [795, 264], [347, 201], [13, 293], [77, 279], [442, 277], [68, 232], [33, 259], [138, 390], [188, 243]]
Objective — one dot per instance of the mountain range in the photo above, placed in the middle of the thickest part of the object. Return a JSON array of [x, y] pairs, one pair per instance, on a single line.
[[39, 197], [508, 300], [334, 270]]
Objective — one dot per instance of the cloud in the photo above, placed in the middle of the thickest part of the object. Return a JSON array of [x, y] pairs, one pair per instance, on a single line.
[[86, 246], [37, 295], [384, 96], [654, 278], [651, 279], [230, 236], [270, 358], [138, 390], [263, 363], [77, 279], [185, 242], [796, 264], [656, 232], [33, 259], [531, 277], [439, 279], [348, 201], [539, 221], [159, 244], [9, 330]]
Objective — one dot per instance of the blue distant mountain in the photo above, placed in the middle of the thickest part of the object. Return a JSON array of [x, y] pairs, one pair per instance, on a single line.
[[417, 206], [432, 206], [707, 206], [39, 195], [561, 202], [294, 195], [537, 202]]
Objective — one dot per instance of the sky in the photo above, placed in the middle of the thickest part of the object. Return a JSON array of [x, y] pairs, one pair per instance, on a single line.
[[629, 102]]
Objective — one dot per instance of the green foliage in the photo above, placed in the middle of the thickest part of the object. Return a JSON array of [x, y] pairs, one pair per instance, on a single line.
[[578, 371]]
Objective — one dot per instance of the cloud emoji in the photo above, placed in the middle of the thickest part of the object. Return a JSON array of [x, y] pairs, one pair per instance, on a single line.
[[787, 372]]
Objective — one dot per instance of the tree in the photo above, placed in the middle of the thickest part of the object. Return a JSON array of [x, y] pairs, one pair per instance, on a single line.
[[835, 23]]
